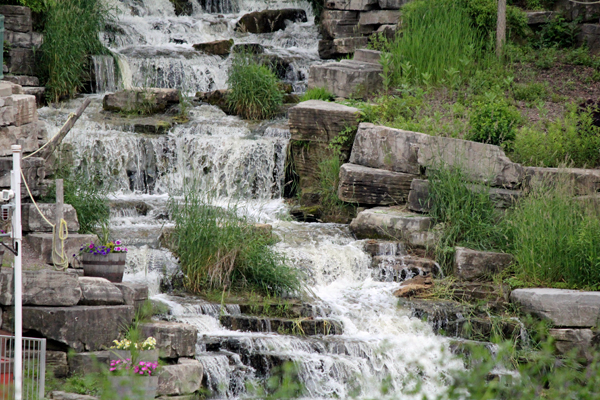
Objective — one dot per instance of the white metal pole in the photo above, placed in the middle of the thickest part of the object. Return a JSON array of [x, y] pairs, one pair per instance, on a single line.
[[16, 234]]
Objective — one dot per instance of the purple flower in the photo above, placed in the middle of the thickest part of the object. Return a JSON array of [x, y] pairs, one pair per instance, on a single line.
[[117, 249], [117, 242]]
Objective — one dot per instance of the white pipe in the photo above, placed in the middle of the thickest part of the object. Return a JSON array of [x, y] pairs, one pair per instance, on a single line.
[[16, 234]]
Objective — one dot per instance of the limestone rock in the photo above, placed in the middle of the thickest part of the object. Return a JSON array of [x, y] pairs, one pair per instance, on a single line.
[[572, 11], [418, 197], [32, 221], [414, 286], [38, 91], [5, 90], [90, 327], [338, 47], [56, 362], [98, 292], [367, 56], [339, 24], [585, 180], [88, 362], [248, 48], [25, 107], [579, 341], [308, 327], [42, 288], [321, 121], [21, 61], [172, 339], [565, 308], [364, 185], [387, 31], [33, 168], [179, 379], [25, 40], [41, 243], [392, 4], [16, 18], [539, 17], [358, 5], [400, 267], [217, 47], [58, 395], [378, 247], [151, 100], [269, 20], [379, 17], [27, 136], [8, 116], [134, 294], [306, 157], [590, 37], [473, 264], [394, 223], [216, 98], [347, 78]]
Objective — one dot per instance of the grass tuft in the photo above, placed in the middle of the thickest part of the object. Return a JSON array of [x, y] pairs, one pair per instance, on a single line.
[[318, 93]]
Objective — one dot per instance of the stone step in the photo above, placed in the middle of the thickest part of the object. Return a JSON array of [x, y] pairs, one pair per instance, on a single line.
[[394, 223], [321, 121], [474, 264], [347, 78], [540, 17], [377, 247], [23, 80], [41, 288], [32, 221], [39, 92], [342, 46], [173, 339], [400, 268], [372, 186], [306, 326], [367, 56]]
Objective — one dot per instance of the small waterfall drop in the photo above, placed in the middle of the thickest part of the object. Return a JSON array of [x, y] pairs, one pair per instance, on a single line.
[[104, 73]]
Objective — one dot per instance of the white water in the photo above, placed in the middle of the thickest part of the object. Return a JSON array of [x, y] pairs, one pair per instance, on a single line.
[[232, 159]]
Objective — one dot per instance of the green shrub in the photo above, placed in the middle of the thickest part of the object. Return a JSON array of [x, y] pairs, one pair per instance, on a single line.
[[555, 237], [438, 44], [558, 33], [468, 215], [573, 139], [493, 122], [318, 93], [219, 249], [484, 14], [546, 58], [254, 93], [530, 92], [71, 33]]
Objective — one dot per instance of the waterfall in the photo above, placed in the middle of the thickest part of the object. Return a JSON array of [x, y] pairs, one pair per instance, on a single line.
[[104, 73]]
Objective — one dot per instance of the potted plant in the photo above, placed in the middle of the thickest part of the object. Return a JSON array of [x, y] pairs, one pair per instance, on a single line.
[[104, 260], [134, 381]]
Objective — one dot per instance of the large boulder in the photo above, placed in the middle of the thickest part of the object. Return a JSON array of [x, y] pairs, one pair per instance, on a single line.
[[565, 308], [216, 48], [17, 18], [28, 135], [173, 339], [473, 264], [583, 342], [338, 24], [269, 20], [410, 152], [182, 378], [394, 223], [379, 17], [32, 221], [41, 243], [90, 328], [141, 101], [321, 121], [584, 180], [392, 4], [578, 10], [98, 292], [341, 47], [56, 363], [134, 294], [41, 288], [21, 61], [347, 78], [88, 362], [372, 186], [590, 37]]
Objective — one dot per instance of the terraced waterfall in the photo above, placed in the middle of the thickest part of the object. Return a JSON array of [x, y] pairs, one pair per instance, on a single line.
[[381, 352]]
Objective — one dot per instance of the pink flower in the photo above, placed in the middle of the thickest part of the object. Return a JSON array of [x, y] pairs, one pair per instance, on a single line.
[[117, 249], [117, 242], [92, 246]]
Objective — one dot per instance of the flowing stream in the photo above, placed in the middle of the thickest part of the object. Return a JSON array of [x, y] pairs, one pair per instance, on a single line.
[[383, 352]]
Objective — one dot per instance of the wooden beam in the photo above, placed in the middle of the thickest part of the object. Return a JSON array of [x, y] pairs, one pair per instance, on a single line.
[[58, 138], [59, 215], [501, 27]]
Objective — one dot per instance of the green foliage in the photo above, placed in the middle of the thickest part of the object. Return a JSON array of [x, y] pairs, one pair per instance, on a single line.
[[468, 215], [219, 249], [254, 93], [546, 58], [35, 5], [439, 44], [484, 14], [558, 33], [332, 208], [573, 139], [493, 122], [556, 238], [530, 92], [318, 93]]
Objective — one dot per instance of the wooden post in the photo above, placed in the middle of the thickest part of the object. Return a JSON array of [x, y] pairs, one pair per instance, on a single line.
[[501, 27], [59, 214]]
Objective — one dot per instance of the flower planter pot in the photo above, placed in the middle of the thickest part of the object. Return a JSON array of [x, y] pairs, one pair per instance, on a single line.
[[110, 266], [134, 387], [143, 355]]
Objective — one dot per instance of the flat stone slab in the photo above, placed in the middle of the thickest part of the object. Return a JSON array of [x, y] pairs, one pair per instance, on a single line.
[[134, 294], [474, 264], [394, 223], [358, 5], [99, 291], [540, 17], [585, 180], [58, 395], [347, 78], [32, 221], [90, 328], [41, 288], [88, 362], [372, 186], [173, 339], [41, 243], [580, 341], [399, 268], [56, 362], [367, 56], [303, 327], [565, 308], [379, 17], [321, 121], [183, 378]]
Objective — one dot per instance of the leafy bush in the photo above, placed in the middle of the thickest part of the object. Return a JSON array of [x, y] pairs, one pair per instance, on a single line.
[[558, 33], [484, 14], [556, 238], [573, 139], [493, 122], [530, 92], [318, 93], [219, 249], [254, 93], [438, 44], [71, 34], [468, 215], [546, 58]]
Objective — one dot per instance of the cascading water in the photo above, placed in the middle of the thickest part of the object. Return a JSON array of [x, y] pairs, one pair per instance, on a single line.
[[233, 159], [104, 74]]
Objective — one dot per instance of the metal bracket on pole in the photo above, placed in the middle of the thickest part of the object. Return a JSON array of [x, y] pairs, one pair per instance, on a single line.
[[15, 183]]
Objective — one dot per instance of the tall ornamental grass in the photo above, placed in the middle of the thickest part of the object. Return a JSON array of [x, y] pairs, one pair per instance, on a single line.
[[71, 34], [253, 89], [556, 237], [438, 44], [219, 249]]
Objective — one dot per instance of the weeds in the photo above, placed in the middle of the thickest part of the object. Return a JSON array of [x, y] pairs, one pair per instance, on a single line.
[[254, 93], [218, 248], [318, 93], [493, 122]]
